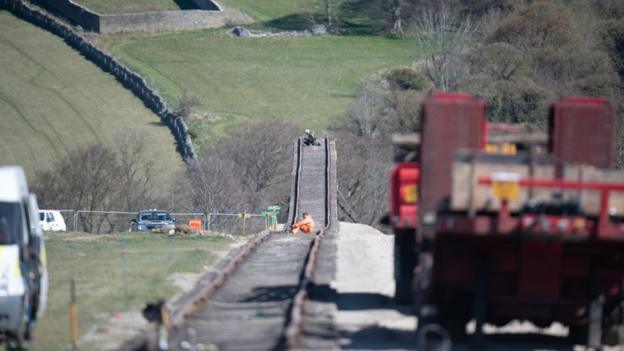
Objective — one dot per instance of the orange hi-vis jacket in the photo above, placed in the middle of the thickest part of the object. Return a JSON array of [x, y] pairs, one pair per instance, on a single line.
[[306, 225]]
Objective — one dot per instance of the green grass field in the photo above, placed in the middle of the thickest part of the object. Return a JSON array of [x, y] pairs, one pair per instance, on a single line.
[[52, 100], [95, 262], [125, 6], [309, 80], [266, 10]]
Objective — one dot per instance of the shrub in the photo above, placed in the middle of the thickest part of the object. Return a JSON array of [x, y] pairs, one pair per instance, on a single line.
[[612, 35], [512, 101], [501, 61], [542, 24], [405, 78]]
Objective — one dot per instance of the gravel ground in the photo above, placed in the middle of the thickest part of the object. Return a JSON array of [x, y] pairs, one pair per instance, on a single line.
[[367, 318]]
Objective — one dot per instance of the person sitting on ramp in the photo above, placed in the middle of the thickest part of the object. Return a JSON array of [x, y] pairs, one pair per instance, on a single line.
[[305, 225], [309, 139]]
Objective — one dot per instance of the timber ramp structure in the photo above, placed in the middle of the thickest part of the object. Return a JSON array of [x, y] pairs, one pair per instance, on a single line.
[[259, 298]]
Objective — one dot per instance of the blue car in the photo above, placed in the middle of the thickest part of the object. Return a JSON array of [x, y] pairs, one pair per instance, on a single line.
[[148, 220]]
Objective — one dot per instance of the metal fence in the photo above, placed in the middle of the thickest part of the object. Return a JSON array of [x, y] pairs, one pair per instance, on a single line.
[[236, 223], [105, 222]]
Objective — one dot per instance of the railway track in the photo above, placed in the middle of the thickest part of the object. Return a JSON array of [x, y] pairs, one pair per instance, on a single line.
[[256, 301]]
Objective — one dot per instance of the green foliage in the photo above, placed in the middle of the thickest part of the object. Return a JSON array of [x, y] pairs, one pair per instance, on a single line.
[[516, 100], [501, 61], [537, 54], [268, 10], [52, 101], [482, 7], [407, 106], [125, 6], [406, 78], [375, 13], [95, 262], [612, 34], [541, 25], [609, 9]]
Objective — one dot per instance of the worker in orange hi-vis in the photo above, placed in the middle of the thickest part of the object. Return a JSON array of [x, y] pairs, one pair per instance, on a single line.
[[305, 225]]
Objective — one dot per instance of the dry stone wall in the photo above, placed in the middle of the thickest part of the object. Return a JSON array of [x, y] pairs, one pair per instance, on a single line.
[[128, 78], [160, 21], [77, 14], [210, 5], [209, 15]]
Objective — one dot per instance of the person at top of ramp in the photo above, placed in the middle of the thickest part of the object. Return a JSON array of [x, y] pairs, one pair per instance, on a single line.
[[305, 225], [309, 139]]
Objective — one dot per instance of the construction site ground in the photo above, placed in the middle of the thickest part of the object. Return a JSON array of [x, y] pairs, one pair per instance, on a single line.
[[368, 319]]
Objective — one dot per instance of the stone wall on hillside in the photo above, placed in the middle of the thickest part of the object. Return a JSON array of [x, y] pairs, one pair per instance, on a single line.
[[77, 14], [209, 5], [160, 21], [108, 63], [209, 15]]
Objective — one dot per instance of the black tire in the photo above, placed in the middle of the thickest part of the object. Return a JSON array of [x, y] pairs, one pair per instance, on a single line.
[[404, 263], [456, 328]]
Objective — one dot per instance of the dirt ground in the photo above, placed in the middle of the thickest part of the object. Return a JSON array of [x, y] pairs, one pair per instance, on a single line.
[[367, 318]]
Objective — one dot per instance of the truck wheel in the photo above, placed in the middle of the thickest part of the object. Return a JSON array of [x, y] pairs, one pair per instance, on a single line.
[[433, 337], [404, 263], [14, 344], [456, 328]]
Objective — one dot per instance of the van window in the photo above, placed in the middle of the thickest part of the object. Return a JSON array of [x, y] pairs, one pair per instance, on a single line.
[[41, 216], [10, 223]]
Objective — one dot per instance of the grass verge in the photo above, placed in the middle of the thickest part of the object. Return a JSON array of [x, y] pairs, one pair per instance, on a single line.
[[52, 100], [267, 10], [102, 265]]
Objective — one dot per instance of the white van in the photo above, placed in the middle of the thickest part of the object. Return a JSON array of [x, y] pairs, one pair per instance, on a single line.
[[23, 273], [52, 220]]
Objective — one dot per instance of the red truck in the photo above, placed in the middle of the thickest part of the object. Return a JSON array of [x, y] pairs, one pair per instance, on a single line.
[[535, 233]]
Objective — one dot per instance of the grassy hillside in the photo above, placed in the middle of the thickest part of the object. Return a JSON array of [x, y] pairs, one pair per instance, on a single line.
[[266, 10], [310, 80], [53, 100], [125, 6], [95, 262]]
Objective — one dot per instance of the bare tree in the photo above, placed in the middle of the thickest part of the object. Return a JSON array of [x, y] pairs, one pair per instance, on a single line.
[[208, 184], [136, 170], [328, 11], [397, 22], [249, 169], [366, 112], [86, 180], [185, 105], [257, 151], [443, 35], [100, 178], [363, 166]]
